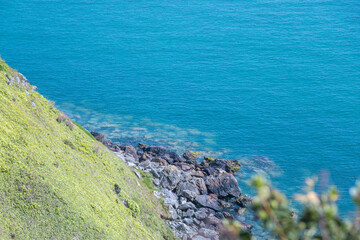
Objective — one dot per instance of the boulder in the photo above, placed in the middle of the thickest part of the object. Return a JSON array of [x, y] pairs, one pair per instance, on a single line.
[[189, 213], [170, 198], [186, 206], [244, 201], [187, 190], [208, 201], [158, 150], [201, 214], [188, 221], [173, 213], [144, 157], [98, 136], [198, 237], [208, 233], [188, 155], [223, 184], [131, 151], [200, 185], [170, 178], [228, 215]]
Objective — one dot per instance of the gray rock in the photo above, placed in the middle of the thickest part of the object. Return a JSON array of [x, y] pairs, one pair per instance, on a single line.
[[190, 155], [173, 213], [196, 221], [200, 185], [198, 237], [155, 173], [137, 174], [170, 198], [207, 201], [200, 215], [144, 164], [189, 213], [223, 184], [187, 190], [130, 150], [208, 233], [156, 181], [182, 200], [186, 206], [170, 178], [188, 221]]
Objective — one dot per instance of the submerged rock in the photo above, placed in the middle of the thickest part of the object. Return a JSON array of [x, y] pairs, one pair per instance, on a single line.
[[188, 155]]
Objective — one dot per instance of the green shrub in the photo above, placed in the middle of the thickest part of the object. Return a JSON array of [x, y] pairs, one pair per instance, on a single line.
[[318, 220]]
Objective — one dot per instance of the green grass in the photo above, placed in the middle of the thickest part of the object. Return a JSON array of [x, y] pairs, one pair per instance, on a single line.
[[54, 185]]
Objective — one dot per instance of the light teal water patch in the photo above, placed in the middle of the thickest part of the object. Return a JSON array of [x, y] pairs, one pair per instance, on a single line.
[[274, 78], [128, 129]]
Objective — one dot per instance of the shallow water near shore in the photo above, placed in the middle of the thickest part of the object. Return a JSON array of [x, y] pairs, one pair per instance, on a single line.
[[255, 80]]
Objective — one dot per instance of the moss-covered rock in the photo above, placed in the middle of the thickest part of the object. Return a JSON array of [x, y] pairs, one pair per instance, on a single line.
[[58, 182]]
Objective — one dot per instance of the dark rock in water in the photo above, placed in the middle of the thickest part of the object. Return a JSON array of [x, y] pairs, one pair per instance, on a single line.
[[224, 204], [244, 201], [131, 151], [246, 227], [220, 163], [108, 143], [171, 177], [98, 136], [228, 215], [219, 215], [159, 150], [223, 184], [187, 190], [211, 220], [207, 201], [190, 155], [141, 146], [174, 156]]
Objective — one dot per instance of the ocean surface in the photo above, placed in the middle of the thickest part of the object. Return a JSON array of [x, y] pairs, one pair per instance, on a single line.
[[274, 83]]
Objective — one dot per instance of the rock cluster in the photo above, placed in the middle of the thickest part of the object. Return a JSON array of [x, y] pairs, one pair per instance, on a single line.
[[20, 80], [198, 195]]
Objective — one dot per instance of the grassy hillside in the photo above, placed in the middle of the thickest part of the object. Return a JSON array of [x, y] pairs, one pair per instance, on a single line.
[[57, 182]]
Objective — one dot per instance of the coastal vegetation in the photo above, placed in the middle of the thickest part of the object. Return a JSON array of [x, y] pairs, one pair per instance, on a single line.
[[58, 182], [318, 218]]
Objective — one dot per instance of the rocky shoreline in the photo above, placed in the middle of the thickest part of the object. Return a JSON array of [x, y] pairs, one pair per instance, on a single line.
[[198, 195]]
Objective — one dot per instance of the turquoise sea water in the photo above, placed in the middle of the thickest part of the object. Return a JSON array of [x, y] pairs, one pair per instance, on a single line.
[[273, 78]]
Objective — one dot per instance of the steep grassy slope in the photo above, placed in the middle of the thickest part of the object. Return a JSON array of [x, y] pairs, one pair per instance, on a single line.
[[56, 182]]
